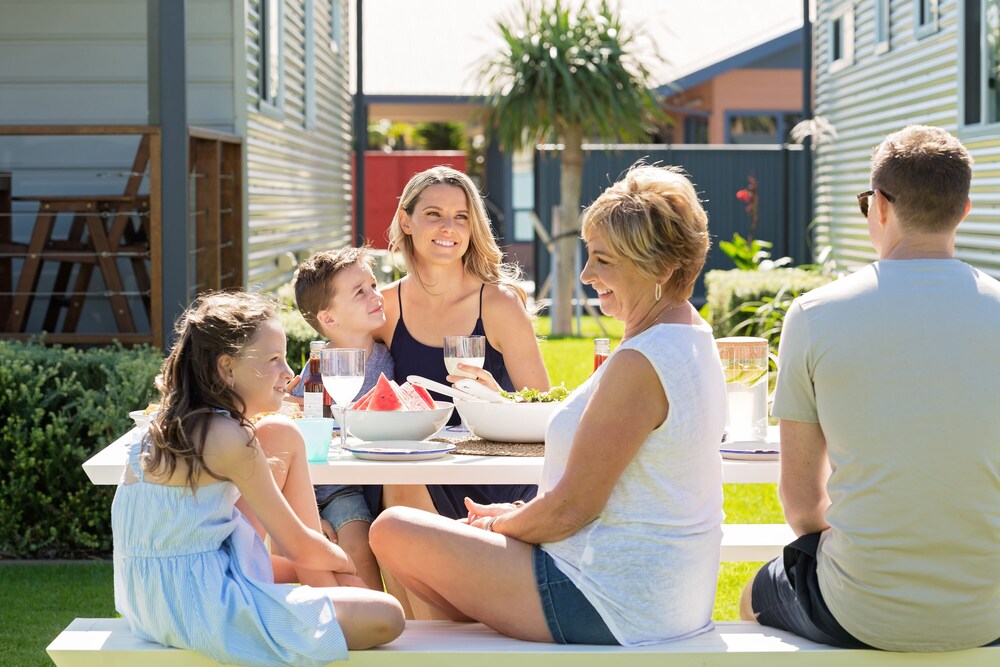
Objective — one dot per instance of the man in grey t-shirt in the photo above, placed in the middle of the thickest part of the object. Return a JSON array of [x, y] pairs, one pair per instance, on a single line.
[[887, 391]]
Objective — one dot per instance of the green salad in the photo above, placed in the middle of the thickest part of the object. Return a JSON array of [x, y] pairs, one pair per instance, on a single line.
[[526, 395]]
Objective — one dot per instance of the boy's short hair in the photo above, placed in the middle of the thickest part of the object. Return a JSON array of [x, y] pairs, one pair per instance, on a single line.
[[928, 173], [313, 280]]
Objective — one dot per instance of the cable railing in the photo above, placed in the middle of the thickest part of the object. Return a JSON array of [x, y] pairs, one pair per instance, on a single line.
[[81, 229]]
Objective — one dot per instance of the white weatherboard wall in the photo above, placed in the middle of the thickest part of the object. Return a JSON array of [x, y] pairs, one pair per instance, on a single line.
[[84, 62], [298, 168], [915, 81]]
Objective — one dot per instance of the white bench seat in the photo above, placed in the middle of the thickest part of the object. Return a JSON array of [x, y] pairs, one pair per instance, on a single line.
[[105, 642], [754, 541]]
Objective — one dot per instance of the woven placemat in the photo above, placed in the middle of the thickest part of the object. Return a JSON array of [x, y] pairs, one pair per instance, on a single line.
[[473, 446]]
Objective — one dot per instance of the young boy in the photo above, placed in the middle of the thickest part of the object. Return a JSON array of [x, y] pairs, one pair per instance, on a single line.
[[336, 294]]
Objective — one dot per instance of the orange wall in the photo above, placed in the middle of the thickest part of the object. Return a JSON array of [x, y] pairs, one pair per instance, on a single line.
[[746, 89], [385, 176], [738, 90]]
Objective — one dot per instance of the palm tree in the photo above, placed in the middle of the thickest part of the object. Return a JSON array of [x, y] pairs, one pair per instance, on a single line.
[[567, 76]]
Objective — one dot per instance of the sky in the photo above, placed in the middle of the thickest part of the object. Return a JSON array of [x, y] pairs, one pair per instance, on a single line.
[[434, 47]]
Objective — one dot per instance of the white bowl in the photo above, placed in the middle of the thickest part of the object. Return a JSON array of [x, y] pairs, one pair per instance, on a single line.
[[142, 418], [507, 422], [400, 425]]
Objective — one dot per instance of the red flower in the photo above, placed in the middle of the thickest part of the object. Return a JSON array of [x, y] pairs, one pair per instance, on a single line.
[[744, 196]]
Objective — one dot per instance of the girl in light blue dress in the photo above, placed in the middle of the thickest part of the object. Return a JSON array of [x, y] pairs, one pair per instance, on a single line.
[[190, 570]]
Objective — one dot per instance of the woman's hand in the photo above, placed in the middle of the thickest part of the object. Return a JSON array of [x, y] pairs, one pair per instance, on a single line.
[[482, 376], [482, 516], [298, 400]]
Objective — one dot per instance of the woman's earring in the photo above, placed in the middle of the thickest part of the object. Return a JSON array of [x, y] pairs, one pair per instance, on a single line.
[[658, 293]]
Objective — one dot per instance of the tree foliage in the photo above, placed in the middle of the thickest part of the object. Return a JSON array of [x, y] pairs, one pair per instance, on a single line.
[[562, 69]]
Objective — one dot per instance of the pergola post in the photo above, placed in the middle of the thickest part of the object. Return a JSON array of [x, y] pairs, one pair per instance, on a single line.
[[167, 94]]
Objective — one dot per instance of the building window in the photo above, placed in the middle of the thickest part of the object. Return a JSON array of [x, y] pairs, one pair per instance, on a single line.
[[270, 45], [981, 62], [841, 37], [523, 196], [755, 127], [336, 26], [882, 14], [696, 129], [925, 17]]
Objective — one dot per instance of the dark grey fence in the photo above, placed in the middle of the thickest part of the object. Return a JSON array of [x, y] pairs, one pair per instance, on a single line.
[[718, 172]]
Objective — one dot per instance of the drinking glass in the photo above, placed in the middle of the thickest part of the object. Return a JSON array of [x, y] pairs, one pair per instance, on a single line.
[[745, 364], [469, 350], [343, 371]]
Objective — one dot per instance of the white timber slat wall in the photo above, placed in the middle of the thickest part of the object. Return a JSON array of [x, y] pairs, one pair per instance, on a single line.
[[915, 81], [298, 172]]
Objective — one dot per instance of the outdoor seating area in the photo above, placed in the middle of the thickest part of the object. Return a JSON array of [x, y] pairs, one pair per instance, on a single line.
[[554, 333]]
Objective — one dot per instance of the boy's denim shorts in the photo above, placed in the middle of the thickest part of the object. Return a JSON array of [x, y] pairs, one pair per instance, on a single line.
[[347, 504], [568, 613]]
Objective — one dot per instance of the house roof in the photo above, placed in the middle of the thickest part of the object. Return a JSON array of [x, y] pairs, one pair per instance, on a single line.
[[743, 59]]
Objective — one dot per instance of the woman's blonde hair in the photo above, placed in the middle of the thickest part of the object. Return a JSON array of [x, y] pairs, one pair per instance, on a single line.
[[654, 219], [483, 259]]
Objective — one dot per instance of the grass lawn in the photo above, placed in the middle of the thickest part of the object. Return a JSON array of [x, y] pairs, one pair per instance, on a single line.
[[40, 599]]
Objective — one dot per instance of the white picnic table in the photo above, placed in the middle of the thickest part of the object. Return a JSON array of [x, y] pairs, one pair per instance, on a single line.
[[107, 465]]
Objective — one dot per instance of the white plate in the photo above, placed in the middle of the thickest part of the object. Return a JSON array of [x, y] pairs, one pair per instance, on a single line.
[[750, 454], [399, 450]]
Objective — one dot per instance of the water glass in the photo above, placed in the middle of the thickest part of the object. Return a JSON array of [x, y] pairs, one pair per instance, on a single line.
[[469, 350], [745, 364]]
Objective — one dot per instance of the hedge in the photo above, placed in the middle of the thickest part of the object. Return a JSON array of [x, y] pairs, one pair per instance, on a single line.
[[58, 407], [753, 303]]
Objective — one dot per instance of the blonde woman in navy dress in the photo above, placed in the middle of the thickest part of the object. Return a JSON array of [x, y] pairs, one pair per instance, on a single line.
[[190, 570], [456, 284]]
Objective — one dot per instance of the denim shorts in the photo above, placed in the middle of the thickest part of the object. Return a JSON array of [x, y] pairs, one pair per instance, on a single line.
[[568, 613], [346, 505], [786, 595]]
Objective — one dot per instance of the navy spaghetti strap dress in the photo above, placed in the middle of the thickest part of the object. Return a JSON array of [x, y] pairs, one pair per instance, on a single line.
[[412, 357]]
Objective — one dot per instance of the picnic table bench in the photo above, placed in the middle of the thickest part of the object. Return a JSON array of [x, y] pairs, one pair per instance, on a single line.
[[106, 642]]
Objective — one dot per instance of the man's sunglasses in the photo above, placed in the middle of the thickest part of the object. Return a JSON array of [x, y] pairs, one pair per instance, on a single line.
[[863, 200]]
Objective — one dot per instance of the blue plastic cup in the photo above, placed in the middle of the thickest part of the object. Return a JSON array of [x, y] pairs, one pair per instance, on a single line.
[[318, 433]]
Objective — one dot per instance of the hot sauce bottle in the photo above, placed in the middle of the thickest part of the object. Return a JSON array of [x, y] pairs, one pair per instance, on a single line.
[[602, 348]]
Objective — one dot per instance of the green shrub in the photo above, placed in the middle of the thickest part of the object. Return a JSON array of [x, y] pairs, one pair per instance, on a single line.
[[58, 407], [753, 303], [298, 334]]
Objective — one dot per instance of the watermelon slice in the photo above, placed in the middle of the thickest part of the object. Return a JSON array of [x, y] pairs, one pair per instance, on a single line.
[[363, 401], [411, 399], [384, 397], [424, 395]]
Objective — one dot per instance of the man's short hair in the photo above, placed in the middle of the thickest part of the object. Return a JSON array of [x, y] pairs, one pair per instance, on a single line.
[[313, 280], [928, 172]]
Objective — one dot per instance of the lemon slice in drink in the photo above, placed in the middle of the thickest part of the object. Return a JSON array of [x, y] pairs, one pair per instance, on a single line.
[[745, 375]]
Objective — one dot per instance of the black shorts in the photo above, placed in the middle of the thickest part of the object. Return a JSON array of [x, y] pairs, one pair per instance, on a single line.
[[786, 595]]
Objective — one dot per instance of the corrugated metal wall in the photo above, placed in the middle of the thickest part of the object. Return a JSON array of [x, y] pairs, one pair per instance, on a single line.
[[717, 172], [915, 81], [298, 178]]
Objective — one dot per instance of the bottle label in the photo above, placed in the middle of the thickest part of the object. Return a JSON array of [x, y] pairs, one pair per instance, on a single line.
[[312, 404]]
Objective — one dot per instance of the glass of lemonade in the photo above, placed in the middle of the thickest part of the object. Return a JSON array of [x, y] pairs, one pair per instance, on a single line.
[[343, 371], [469, 350], [745, 365]]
